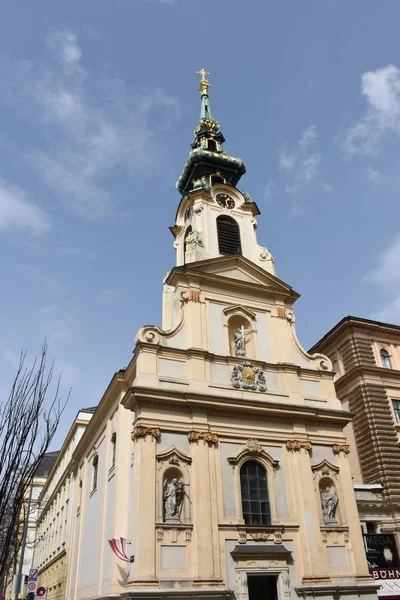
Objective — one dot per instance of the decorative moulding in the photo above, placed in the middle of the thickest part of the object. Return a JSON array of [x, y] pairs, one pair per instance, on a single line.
[[247, 376], [253, 448], [141, 431], [238, 309], [298, 445], [324, 468], [341, 448], [207, 436], [173, 457]]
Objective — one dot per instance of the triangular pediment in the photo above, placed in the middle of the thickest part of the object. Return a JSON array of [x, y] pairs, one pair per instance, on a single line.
[[235, 268]]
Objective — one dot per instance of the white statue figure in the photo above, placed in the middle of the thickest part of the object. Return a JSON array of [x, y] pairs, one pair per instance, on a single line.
[[329, 502], [173, 496], [239, 341]]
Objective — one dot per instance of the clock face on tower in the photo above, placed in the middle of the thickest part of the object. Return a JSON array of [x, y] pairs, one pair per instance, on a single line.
[[225, 201]]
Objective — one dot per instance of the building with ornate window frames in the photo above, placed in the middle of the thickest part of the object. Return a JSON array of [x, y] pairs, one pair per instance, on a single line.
[[366, 359], [231, 472]]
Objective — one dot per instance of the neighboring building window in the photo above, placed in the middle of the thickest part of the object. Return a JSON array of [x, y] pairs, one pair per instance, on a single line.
[[385, 358], [95, 471], [254, 489], [228, 235], [396, 410], [370, 526], [113, 449]]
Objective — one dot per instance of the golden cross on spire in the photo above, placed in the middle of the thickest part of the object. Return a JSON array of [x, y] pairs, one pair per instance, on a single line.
[[204, 85], [203, 73]]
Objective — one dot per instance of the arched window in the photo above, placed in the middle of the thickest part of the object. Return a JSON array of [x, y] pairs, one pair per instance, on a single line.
[[385, 358], [95, 464], [212, 145], [228, 235], [254, 489]]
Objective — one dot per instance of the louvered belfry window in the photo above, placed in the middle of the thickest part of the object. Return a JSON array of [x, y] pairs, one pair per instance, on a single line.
[[228, 236]]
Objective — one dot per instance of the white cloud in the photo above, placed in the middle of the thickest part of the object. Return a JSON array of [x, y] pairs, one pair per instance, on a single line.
[[308, 137], [66, 48], [269, 191], [17, 213], [386, 278], [381, 89], [91, 129], [372, 174], [287, 161], [301, 163], [326, 187]]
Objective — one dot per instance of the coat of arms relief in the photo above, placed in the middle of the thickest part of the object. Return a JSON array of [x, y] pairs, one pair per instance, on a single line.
[[247, 376]]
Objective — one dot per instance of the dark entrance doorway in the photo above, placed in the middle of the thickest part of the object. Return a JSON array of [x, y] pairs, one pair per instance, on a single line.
[[262, 587]]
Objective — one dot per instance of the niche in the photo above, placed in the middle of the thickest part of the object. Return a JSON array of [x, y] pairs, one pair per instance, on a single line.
[[241, 337], [327, 487], [173, 488]]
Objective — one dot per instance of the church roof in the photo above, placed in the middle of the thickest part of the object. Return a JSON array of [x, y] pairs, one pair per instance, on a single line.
[[207, 156]]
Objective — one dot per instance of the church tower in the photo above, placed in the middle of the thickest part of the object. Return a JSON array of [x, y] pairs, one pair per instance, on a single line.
[[230, 475]]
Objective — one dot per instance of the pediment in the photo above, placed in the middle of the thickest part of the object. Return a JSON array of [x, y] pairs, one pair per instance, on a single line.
[[235, 268]]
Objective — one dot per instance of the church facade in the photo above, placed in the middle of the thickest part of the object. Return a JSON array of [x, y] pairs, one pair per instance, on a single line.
[[215, 465]]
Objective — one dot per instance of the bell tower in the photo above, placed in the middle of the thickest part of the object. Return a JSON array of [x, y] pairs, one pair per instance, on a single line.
[[214, 218]]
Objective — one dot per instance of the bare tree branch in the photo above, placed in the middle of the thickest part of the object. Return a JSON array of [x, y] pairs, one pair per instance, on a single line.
[[28, 423]]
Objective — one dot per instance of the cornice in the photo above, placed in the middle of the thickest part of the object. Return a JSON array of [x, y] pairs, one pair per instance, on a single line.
[[188, 353], [354, 324], [137, 396], [117, 384], [362, 371]]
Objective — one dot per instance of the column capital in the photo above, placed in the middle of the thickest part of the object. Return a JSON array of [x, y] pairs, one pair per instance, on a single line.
[[298, 445], [141, 431], [207, 436]]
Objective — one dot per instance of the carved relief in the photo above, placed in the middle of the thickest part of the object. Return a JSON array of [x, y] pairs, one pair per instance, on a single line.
[[141, 431], [338, 448], [189, 296], [247, 376], [253, 446], [298, 445], [207, 436]]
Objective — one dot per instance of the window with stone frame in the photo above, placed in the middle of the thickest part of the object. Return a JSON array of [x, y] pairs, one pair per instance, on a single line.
[[254, 491], [385, 358], [396, 411], [95, 464]]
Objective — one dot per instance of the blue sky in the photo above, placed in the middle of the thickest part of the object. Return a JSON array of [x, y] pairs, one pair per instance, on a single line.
[[98, 102]]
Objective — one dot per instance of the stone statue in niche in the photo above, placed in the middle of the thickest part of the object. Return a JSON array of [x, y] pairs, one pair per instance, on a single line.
[[239, 341], [329, 501], [173, 497]]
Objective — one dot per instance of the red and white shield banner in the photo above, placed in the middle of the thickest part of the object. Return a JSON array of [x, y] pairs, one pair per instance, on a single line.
[[119, 548]]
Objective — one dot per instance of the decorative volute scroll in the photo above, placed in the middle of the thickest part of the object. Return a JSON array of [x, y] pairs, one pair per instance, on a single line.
[[141, 431], [341, 448], [253, 449], [208, 437], [298, 445]]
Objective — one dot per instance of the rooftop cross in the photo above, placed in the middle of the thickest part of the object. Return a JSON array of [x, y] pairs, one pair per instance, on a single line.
[[203, 73], [204, 85]]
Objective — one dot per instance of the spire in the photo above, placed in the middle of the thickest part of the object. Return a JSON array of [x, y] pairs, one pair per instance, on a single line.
[[208, 162], [206, 117]]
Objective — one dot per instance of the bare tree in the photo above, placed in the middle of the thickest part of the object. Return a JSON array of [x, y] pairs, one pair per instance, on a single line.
[[28, 422]]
